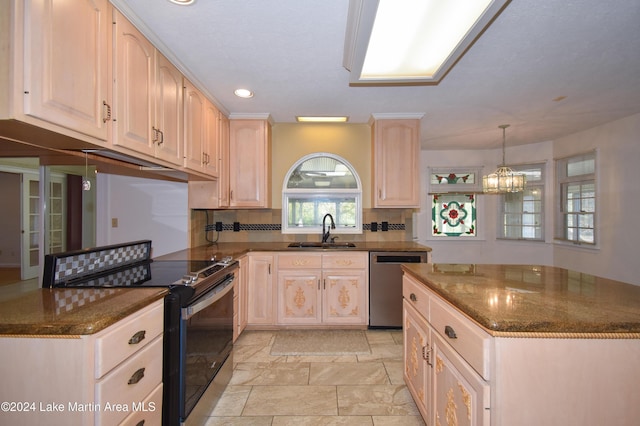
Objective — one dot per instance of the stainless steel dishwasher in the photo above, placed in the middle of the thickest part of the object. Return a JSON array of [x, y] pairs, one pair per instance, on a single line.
[[385, 286]]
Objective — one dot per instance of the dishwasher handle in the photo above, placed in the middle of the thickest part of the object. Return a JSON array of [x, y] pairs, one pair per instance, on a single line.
[[399, 258]]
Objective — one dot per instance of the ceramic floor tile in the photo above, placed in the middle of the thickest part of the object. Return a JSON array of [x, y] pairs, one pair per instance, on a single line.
[[377, 400], [397, 336], [255, 353], [232, 401], [395, 370], [292, 401], [322, 421], [383, 352], [380, 337], [322, 358], [348, 374], [266, 373], [398, 421], [264, 338], [240, 421]]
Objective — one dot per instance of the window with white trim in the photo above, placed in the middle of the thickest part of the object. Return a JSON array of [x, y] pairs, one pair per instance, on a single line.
[[576, 212], [318, 184], [522, 213]]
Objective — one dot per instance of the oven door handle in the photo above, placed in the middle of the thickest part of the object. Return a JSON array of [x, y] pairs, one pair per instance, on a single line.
[[209, 300]]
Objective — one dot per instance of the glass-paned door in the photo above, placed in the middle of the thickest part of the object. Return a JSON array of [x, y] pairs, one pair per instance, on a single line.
[[30, 226]]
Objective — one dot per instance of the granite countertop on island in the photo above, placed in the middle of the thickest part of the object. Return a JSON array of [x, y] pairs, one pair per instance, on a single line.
[[235, 250], [69, 313], [535, 301]]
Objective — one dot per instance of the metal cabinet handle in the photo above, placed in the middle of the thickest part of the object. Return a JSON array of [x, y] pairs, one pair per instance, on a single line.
[[161, 141], [426, 354], [155, 134], [413, 297], [137, 376], [108, 108], [138, 337], [140, 423], [450, 332]]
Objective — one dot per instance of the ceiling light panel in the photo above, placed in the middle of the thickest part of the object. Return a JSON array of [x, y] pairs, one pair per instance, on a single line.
[[322, 119], [411, 41]]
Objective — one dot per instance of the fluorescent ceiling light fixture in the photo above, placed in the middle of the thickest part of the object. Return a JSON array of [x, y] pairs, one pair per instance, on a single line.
[[322, 119], [243, 93], [411, 41], [183, 2]]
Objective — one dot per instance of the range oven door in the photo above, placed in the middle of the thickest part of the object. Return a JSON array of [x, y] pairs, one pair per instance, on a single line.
[[206, 342]]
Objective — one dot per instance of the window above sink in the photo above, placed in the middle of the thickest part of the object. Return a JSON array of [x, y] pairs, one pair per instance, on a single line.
[[318, 184]]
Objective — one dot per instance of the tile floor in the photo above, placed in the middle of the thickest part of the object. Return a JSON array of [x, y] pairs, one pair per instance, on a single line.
[[316, 390]]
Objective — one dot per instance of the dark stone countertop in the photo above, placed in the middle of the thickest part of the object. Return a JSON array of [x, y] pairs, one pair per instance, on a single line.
[[71, 312], [235, 250], [535, 301]]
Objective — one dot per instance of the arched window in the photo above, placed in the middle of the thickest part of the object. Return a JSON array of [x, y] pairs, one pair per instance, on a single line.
[[318, 184]]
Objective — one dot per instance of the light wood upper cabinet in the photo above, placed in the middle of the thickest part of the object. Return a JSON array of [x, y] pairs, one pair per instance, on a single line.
[[396, 162], [53, 89], [249, 164], [148, 92], [135, 85], [202, 132], [169, 110]]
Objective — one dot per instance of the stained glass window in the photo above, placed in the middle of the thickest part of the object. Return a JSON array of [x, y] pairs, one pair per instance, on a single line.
[[453, 215]]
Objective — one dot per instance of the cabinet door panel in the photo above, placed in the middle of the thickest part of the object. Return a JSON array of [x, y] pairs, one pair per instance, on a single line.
[[56, 51], [169, 112], [194, 116], [135, 81], [260, 302], [417, 346], [396, 152], [460, 396], [299, 297], [345, 297]]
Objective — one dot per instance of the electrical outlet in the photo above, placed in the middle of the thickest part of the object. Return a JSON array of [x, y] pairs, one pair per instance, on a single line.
[[218, 226], [236, 226], [114, 222], [385, 226], [374, 226]]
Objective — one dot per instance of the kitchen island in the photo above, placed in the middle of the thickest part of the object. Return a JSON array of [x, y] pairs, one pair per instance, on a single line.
[[521, 345]]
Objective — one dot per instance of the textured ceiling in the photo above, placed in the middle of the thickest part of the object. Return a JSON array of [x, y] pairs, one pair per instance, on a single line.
[[289, 52]]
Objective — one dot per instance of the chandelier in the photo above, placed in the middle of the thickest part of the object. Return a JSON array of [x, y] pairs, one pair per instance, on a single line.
[[504, 179]]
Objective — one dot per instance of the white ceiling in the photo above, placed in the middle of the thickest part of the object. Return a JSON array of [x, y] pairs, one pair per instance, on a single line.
[[289, 52]]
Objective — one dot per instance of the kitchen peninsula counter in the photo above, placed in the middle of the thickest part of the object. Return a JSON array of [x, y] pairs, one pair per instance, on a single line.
[[71, 312], [237, 249], [535, 301]]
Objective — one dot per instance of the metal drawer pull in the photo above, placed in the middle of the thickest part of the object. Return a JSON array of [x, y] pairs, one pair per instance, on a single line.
[[137, 338], [450, 332], [140, 423], [413, 297], [137, 376]]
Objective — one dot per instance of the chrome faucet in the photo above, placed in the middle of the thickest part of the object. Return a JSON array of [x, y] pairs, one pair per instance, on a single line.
[[325, 235]]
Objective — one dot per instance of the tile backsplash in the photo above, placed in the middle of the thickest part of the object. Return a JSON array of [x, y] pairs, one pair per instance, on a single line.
[[265, 225]]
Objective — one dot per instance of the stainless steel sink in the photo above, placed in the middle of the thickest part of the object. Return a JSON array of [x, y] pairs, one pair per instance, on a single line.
[[312, 244]]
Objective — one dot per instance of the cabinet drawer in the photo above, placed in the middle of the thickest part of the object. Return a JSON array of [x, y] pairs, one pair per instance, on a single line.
[[149, 412], [130, 383], [471, 342], [299, 261], [126, 337], [345, 260], [416, 295]]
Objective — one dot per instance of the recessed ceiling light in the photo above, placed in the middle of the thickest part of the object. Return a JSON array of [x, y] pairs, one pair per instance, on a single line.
[[183, 2], [322, 119], [243, 93]]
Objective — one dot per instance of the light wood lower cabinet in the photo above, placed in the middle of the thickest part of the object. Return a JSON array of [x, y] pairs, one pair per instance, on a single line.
[[322, 289], [459, 374], [108, 378], [260, 289]]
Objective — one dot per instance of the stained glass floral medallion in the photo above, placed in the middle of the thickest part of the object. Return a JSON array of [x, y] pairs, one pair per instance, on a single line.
[[453, 215]]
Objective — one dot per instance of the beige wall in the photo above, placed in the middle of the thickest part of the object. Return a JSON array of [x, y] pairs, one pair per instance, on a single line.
[[292, 141]]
